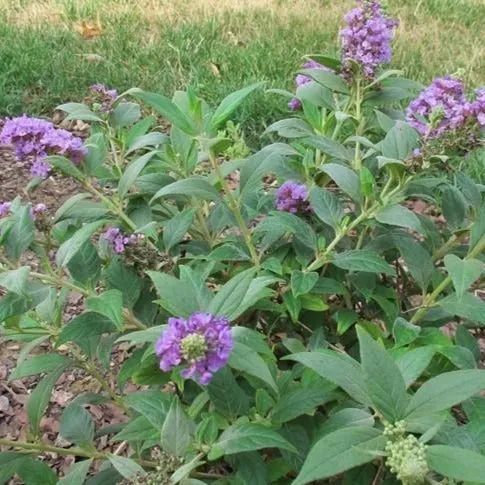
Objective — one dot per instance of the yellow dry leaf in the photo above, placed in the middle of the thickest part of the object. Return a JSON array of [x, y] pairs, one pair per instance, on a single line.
[[216, 70], [89, 31]]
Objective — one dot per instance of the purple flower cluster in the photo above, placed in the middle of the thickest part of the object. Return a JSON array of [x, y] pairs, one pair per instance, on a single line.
[[301, 79], [441, 107], [5, 208], [38, 210], [292, 197], [366, 40], [201, 343], [118, 241], [37, 138], [107, 96], [479, 106]]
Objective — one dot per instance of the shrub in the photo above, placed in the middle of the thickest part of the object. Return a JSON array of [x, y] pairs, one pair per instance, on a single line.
[[281, 335]]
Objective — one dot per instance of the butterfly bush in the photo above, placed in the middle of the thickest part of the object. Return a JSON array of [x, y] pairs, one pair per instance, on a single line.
[[366, 39], [301, 80], [249, 316], [37, 138], [201, 344]]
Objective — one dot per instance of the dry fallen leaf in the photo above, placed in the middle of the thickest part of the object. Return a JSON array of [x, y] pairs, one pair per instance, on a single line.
[[216, 69], [89, 31]]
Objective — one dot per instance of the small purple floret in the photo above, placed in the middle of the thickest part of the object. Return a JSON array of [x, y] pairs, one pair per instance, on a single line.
[[479, 106], [5, 208], [201, 344], [366, 39], [292, 197]]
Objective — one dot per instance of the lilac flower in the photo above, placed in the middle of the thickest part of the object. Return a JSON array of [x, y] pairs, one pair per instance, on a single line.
[[107, 96], [479, 106], [5, 208], [301, 79], [37, 210], [440, 108], [37, 138], [366, 39], [118, 241], [202, 344], [292, 197]]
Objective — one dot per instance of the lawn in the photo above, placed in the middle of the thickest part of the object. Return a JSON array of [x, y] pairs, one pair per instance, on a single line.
[[53, 50]]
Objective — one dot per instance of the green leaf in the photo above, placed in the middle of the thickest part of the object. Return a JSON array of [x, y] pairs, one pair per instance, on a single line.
[[400, 141], [404, 332], [326, 206], [383, 379], [330, 147], [245, 359], [185, 470], [197, 187], [78, 111], [69, 248], [76, 474], [290, 128], [197, 281], [462, 272], [345, 318], [327, 78], [152, 140], [176, 228], [414, 362], [83, 326], [248, 437], [340, 451], [460, 357], [176, 296], [139, 429], [150, 335], [168, 110], [154, 405], [252, 339], [97, 150], [21, 234], [345, 178], [124, 279], [77, 425], [362, 260], [125, 114], [231, 295], [348, 417], [10, 462], [229, 104], [397, 215], [86, 265], [454, 207], [339, 369], [176, 430], [126, 467], [38, 364], [65, 166], [456, 463], [15, 280], [468, 306], [36, 472], [446, 390], [367, 182], [297, 402], [109, 304], [131, 173], [40, 397], [466, 339], [77, 207], [229, 252], [302, 283]]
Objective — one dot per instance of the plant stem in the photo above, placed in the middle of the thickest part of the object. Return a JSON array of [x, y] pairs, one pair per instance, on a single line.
[[358, 116], [234, 206], [59, 281]]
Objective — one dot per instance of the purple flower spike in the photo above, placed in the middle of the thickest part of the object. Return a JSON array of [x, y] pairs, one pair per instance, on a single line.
[[366, 39], [107, 96], [5, 208], [40, 169], [479, 106], [37, 210], [202, 344], [440, 108], [292, 197]]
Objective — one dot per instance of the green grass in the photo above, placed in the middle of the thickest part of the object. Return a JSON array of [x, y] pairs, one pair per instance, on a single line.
[[163, 46]]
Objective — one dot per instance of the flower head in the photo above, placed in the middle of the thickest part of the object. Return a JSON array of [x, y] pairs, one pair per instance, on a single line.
[[201, 343], [441, 107], [366, 39], [119, 241], [292, 197], [38, 210], [5, 208], [479, 106], [107, 96]]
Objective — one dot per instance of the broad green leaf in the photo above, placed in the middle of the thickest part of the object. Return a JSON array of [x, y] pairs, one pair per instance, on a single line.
[[302, 283], [468, 306], [78, 111], [80, 207], [185, 470], [176, 296], [197, 187], [21, 234], [347, 417], [109, 304], [239, 438], [327, 78], [345, 178], [152, 140], [383, 379], [199, 286], [245, 359], [15, 280], [397, 215], [140, 429], [297, 402], [168, 110], [36, 472], [460, 357], [69, 248], [400, 141], [83, 326], [326, 206], [77, 425], [446, 390], [462, 272], [97, 150], [362, 260], [230, 103], [65, 166], [176, 228], [456, 463], [176, 430], [290, 128], [466, 339], [125, 114], [124, 279], [330, 147], [229, 252], [40, 397], [38, 364], [252, 339], [85, 266], [154, 405], [131, 173], [339, 369], [454, 207], [404, 332], [126, 467], [10, 462], [340, 451], [414, 362], [76, 474]]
